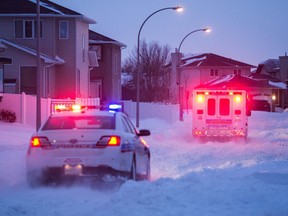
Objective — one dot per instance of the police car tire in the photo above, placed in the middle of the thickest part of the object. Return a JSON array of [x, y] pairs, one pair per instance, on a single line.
[[148, 172], [133, 174]]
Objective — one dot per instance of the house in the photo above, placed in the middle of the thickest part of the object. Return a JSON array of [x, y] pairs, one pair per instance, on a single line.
[[275, 71], [72, 64], [201, 68], [105, 79]]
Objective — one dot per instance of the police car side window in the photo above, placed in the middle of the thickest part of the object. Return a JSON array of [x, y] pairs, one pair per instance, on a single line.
[[125, 125], [131, 126]]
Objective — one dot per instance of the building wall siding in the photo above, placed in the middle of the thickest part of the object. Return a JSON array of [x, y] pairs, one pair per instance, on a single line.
[[65, 77], [82, 59]]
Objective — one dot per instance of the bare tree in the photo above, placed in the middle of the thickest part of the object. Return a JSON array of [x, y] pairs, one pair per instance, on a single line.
[[154, 74]]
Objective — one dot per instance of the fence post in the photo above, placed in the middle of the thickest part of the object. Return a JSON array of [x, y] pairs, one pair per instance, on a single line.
[[49, 111], [23, 108]]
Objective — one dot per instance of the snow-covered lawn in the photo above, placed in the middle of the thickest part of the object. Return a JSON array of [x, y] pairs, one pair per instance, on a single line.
[[188, 178]]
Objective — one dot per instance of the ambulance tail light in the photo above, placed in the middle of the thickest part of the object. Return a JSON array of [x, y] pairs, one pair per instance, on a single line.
[[198, 133], [238, 98], [200, 98]]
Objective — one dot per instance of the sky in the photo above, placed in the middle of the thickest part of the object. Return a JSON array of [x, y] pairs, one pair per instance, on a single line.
[[248, 31], [188, 178]]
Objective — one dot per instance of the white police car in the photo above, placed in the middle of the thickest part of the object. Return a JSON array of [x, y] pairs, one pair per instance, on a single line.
[[95, 143]]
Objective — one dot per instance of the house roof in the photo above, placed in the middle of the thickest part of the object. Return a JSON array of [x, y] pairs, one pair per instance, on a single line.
[[272, 80], [96, 38], [210, 59], [233, 81], [269, 66], [47, 8], [46, 58]]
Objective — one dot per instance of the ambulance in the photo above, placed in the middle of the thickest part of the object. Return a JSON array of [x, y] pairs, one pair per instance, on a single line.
[[220, 113]]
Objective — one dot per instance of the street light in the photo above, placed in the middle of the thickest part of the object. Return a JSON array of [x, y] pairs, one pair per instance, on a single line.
[[178, 9], [179, 69], [204, 29]]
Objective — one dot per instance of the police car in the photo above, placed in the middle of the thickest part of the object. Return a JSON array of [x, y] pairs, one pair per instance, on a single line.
[[94, 143]]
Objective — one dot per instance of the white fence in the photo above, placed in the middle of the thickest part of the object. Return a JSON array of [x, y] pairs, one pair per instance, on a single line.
[[152, 110], [25, 108]]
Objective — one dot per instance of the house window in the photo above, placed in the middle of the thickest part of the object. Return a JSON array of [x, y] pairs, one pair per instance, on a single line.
[[27, 29], [63, 29], [97, 49], [237, 72], [214, 72]]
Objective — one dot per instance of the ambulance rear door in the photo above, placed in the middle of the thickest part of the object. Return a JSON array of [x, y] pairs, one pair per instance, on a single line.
[[219, 112]]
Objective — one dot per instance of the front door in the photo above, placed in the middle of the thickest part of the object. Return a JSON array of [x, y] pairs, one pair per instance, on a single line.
[[96, 88], [28, 80]]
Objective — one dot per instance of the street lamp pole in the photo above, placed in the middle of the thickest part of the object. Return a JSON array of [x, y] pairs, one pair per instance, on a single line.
[[179, 56], [138, 60], [39, 76]]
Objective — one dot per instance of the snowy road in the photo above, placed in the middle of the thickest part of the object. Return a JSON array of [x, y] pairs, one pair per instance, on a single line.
[[188, 178]]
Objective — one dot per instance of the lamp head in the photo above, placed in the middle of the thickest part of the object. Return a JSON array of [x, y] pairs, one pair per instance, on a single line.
[[178, 8], [207, 30]]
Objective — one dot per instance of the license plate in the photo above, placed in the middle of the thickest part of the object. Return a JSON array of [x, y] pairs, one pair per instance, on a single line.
[[218, 126], [73, 169]]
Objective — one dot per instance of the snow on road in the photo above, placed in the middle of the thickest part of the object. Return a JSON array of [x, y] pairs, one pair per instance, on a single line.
[[188, 178]]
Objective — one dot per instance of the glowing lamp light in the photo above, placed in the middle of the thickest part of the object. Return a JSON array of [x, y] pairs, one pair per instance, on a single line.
[[76, 107], [237, 98], [60, 107], [35, 142], [114, 141], [273, 97], [200, 98], [179, 9], [115, 107]]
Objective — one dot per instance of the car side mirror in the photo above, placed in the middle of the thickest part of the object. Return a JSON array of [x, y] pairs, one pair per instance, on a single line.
[[144, 133]]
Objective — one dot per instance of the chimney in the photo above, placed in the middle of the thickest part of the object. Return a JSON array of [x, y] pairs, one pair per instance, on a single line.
[[283, 67]]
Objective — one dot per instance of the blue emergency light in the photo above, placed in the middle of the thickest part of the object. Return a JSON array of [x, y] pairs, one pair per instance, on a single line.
[[115, 107]]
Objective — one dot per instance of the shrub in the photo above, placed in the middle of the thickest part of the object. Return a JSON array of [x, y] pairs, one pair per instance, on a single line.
[[7, 115]]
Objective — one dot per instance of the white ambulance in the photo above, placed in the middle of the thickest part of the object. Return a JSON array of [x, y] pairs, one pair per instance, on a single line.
[[220, 113]]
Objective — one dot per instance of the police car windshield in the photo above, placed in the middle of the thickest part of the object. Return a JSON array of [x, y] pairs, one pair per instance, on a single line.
[[79, 122]]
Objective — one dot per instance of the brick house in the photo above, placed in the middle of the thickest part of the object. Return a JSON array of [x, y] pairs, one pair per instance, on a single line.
[[68, 56]]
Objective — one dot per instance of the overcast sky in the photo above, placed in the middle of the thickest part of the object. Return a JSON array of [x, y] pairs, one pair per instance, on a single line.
[[248, 30]]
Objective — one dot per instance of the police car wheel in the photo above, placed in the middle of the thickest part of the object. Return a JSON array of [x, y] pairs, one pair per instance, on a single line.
[[133, 174]]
